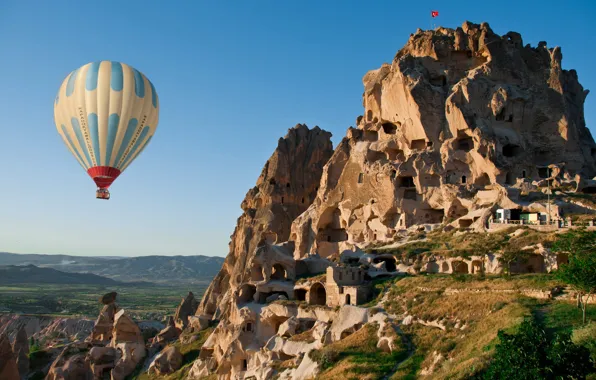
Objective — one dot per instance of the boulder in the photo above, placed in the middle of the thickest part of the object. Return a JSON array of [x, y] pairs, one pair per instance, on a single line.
[[108, 298], [167, 361], [125, 330], [70, 366]]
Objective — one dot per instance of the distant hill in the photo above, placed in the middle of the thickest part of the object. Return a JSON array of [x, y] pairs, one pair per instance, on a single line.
[[156, 269], [30, 274]]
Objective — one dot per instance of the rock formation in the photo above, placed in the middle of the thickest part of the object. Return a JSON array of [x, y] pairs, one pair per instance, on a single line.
[[71, 364], [462, 123], [42, 327], [286, 187], [98, 357], [102, 330], [20, 347], [167, 361], [129, 345], [187, 307], [8, 364]]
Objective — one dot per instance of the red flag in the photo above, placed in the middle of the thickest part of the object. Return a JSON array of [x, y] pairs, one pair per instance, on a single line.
[[434, 14]]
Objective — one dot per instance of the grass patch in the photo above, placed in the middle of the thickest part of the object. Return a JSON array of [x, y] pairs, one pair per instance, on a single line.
[[305, 336], [313, 278], [356, 357], [566, 316]]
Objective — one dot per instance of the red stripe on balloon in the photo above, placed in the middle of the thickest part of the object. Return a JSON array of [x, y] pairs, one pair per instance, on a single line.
[[103, 175]]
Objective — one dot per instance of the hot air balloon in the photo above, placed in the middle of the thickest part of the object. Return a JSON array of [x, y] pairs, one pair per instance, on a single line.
[[106, 113]]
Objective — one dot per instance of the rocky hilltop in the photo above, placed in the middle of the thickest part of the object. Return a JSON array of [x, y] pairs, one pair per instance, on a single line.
[[463, 123], [287, 186]]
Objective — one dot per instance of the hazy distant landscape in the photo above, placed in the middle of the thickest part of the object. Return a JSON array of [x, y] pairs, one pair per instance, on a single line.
[[165, 270], [150, 287]]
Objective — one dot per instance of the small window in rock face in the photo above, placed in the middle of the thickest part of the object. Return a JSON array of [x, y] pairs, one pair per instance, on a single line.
[[369, 115], [302, 200], [244, 365], [523, 174], [463, 179], [329, 238], [249, 326], [288, 184], [282, 200], [510, 119], [360, 177], [501, 115]]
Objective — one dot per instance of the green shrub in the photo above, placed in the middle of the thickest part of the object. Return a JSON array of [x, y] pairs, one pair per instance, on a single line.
[[530, 354]]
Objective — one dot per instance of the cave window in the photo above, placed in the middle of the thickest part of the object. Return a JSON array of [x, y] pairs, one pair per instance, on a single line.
[[329, 238], [465, 144], [288, 185], [509, 179], [374, 236], [302, 200], [279, 272], [510, 118], [282, 200], [389, 128], [511, 150], [429, 144], [360, 177], [393, 173], [249, 327], [544, 172], [272, 181], [448, 109], [300, 294], [463, 179], [369, 115], [419, 144], [523, 174], [406, 182], [501, 115], [317, 188], [244, 365], [372, 201]]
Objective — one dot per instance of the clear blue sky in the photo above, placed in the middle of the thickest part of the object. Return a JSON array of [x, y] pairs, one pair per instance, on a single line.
[[232, 77]]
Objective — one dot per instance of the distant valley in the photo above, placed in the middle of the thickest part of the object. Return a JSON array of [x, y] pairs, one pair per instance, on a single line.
[[164, 270]]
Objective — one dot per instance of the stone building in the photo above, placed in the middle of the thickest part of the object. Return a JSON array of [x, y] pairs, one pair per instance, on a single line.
[[346, 286]]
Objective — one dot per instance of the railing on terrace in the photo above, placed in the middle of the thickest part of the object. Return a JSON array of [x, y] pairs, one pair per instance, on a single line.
[[558, 222]]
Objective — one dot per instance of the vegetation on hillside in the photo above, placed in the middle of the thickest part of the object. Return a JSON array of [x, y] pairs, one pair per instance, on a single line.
[[455, 243], [151, 302], [580, 271]]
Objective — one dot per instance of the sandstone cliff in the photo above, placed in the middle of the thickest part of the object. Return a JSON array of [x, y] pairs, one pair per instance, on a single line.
[[286, 187], [463, 122]]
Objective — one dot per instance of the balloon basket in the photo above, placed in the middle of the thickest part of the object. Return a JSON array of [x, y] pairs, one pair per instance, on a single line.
[[102, 194]]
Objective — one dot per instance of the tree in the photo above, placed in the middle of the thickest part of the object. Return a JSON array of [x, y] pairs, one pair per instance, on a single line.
[[580, 271], [530, 354], [513, 255]]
